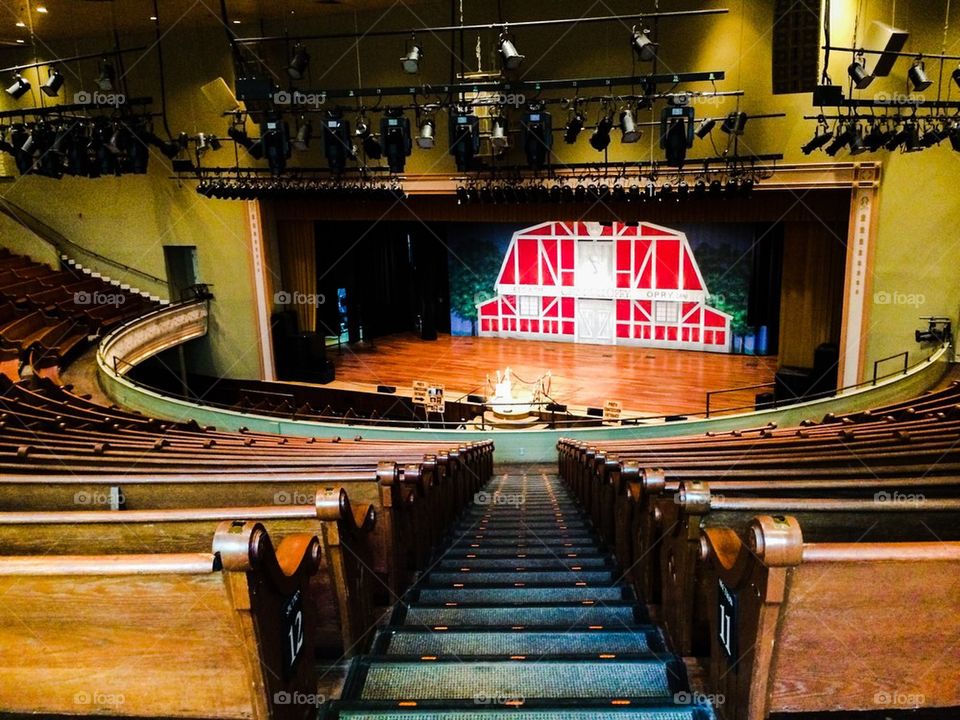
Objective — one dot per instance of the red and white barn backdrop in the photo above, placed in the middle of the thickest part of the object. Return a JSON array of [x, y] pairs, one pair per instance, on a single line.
[[616, 284]]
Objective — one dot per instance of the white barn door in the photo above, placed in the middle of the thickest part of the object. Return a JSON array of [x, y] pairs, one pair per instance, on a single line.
[[595, 321]]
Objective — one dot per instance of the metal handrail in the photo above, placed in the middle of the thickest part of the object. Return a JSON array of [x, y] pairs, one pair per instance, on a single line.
[[906, 362]]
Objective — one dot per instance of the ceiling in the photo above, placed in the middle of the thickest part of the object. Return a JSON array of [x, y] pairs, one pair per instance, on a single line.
[[69, 19]]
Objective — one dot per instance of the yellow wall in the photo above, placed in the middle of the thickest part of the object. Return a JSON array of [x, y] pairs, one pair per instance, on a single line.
[[130, 218]]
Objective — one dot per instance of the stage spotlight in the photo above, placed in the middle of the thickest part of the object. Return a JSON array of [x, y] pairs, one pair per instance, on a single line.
[[574, 125], [676, 133], [898, 139], [397, 143], [877, 138], [918, 76], [858, 73], [856, 140], [683, 189], [411, 59], [461, 196], [54, 82], [633, 194], [509, 56], [239, 136], [818, 141], [304, 134], [566, 193], [838, 142], [956, 76], [499, 140], [955, 136], [337, 145], [619, 194], [464, 138], [537, 136], [735, 123], [700, 187], [299, 62], [426, 138], [580, 194], [19, 87], [628, 127], [716, 187], [642, 45], [706, 127], [913, 141], [600, 138], [275, 140], [934, 136], [107, 76], [666, 191], [368, 141]]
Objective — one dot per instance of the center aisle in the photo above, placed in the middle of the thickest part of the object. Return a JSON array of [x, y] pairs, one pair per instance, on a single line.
[[523, 614]]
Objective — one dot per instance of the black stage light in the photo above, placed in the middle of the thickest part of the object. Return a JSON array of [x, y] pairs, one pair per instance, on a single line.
[[54, 82], [337, 145], [461, 196], [877, 138], [368, 141], [580, 193], [918, 76], [700, 187], [537, 127], [642, 45], [676, 133], [397, 143], [858, 73], [746, 186], [275, 139], [838, 142], [239, 135], [732, 187], [856, 140], [956, 76], [955, 136], [716, 187], [464, 138], [913, 141], [299, 62], [735, 123], [567, 194], [619, 194], [666, 191], [574, 125], [633, 194], [818, 141], [19, 87], [556, 194], [683, 189], [600, 138]]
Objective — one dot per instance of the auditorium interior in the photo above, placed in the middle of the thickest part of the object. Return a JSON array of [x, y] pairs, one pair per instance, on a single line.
[[453, 359]]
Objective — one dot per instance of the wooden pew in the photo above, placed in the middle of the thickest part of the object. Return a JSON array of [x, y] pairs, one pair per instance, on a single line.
[[223, 633], [872, 515], [342, 589], [831, 627]]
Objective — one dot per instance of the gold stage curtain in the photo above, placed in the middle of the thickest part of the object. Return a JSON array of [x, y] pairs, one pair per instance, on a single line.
[[811, 305], [298, 270]]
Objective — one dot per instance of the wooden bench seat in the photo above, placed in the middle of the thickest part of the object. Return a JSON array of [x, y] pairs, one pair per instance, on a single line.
[[801, 626], [342, 589], [223, 633], [905, 514]]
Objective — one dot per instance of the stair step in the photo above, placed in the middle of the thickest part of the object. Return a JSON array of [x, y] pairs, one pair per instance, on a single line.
[[508, 579], [534, 645], [515, 563], [566, 617], [573, 552], [547, 680], [519, 596], [361, 711], [528, 539]]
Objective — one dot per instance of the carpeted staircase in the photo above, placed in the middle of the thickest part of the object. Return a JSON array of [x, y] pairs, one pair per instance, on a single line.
[[522, 615]]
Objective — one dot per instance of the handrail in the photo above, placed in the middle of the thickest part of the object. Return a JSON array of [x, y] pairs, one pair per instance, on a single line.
[[711, 393], [906, 362], [59, 242]]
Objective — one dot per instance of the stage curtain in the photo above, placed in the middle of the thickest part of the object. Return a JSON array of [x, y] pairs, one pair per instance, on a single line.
[[811, 307], [298, 269]]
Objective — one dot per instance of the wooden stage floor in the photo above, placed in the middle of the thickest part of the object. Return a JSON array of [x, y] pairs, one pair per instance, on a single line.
[[646, 381]]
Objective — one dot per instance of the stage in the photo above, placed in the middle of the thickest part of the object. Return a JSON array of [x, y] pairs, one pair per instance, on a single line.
[[645, 381]]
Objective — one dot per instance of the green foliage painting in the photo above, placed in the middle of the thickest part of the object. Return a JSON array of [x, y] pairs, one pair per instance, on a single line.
[[474, 264]]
